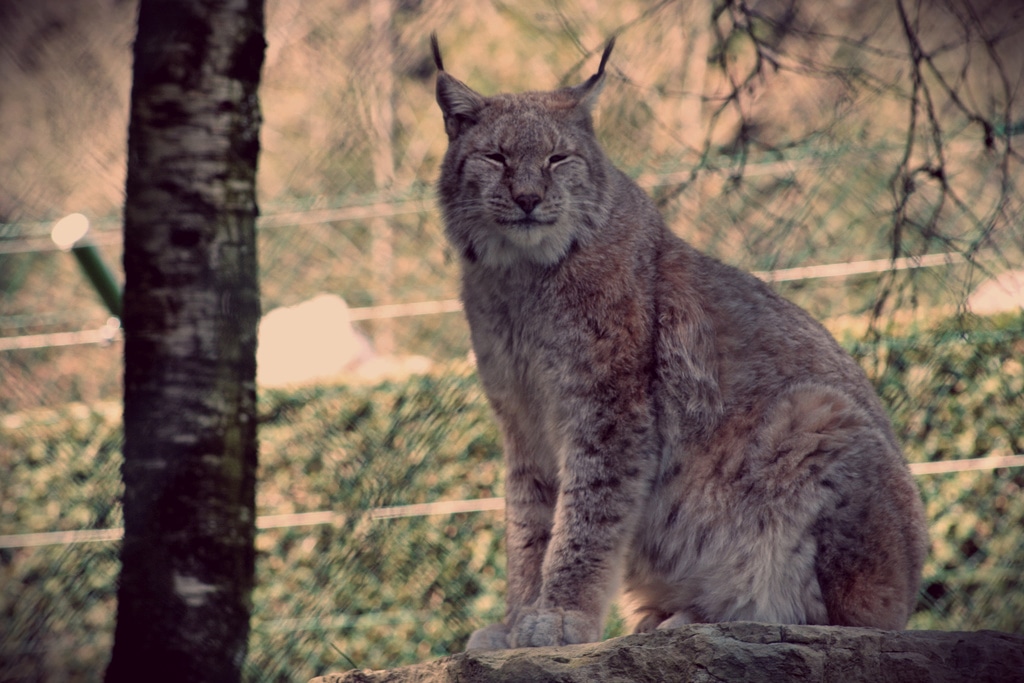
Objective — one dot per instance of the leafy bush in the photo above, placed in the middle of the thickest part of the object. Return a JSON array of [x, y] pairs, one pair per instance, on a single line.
[[958, 393], [377, 591], [382, 590]]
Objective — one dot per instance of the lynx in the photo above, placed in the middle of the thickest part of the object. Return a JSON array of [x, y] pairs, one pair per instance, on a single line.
[[671, 426]]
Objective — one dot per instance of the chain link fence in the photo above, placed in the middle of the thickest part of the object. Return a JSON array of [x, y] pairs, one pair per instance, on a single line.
[[861, 157]]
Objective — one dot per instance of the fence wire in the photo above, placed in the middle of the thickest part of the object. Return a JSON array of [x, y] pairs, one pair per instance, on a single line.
[[860, 157]]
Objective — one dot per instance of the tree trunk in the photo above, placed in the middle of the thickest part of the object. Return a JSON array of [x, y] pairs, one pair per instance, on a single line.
[[191, 307], [381, 85]]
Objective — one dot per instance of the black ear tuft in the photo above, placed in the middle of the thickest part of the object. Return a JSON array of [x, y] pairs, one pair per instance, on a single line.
[[604, 57], [586, 92], [459, 103], [437, 51], [597, 78]]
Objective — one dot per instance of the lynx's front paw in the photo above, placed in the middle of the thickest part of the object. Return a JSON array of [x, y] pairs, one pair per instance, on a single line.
[[540, 627], [493, 637]]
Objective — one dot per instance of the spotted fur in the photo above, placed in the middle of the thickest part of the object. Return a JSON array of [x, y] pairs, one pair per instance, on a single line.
[[671, 426]]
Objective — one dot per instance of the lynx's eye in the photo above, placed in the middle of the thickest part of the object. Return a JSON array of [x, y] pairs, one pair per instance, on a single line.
[[496, 157], [556, 158]]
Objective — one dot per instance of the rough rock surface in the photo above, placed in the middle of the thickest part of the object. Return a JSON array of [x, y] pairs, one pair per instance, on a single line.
[[735, 652]]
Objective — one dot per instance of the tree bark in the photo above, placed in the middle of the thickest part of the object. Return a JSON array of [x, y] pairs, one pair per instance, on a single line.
[[191, 307]]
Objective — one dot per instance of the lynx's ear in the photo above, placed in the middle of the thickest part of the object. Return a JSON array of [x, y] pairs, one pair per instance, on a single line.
[[460, 105], [587, 91]]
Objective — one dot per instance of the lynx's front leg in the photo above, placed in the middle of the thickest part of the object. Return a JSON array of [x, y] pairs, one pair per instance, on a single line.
[[606, 465], [530, 492]]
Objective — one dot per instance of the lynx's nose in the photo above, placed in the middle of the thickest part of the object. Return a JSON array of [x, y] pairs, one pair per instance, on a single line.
[[527, 202]]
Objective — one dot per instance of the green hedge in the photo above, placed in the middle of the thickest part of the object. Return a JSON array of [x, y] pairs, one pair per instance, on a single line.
[[958, 392], [385, 592]]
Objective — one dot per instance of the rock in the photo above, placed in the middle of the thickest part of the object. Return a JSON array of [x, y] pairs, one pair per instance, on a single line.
[[314, 342], [735, 653], [1002, 293], [310, 341]]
